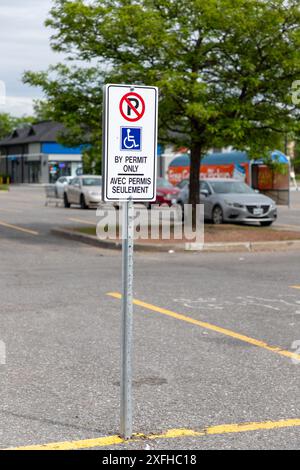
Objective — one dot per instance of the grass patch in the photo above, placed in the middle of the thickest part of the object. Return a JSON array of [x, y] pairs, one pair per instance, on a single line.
[[227, 233], [86, 230], [4, 187]]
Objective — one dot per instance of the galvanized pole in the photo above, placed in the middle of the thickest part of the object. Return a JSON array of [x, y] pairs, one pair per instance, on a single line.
[[290, 167], [127, 311]]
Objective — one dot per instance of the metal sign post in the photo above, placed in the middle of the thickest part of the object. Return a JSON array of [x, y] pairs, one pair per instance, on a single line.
[[129, 175], [127, 311]]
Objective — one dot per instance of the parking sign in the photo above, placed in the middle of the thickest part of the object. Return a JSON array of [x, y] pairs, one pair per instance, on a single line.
[[129, 143]]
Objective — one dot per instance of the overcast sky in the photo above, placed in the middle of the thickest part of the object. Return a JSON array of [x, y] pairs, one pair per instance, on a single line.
[[24, 45]]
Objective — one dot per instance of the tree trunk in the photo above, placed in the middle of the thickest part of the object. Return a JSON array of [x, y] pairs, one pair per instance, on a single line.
[[194, 195]]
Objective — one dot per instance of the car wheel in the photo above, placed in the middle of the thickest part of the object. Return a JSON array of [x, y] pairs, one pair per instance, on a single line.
[[66, 202], [266, 224], [82, 202], [217, 215]]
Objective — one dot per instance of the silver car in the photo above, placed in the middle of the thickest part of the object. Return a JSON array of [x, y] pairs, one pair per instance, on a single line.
[[85, 190], [61, 184], [230, 200]]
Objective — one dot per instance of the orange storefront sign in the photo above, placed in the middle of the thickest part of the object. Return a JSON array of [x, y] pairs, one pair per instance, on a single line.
[[179, 173]]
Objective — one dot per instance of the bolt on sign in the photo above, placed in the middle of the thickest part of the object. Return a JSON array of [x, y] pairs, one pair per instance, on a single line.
[[129, 143]]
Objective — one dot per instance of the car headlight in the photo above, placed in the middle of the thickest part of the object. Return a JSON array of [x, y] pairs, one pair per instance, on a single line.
[[237, 205]]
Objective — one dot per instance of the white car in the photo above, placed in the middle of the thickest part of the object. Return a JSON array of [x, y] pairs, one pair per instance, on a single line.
[[61, 185], [85, 190]]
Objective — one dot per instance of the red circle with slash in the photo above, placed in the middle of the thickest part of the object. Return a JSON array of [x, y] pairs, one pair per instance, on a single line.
[[132, 107]]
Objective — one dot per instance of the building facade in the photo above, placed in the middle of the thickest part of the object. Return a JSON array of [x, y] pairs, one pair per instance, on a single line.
[[33, 155]]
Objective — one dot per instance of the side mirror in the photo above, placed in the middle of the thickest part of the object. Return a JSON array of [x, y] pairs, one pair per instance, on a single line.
[[204, 192]]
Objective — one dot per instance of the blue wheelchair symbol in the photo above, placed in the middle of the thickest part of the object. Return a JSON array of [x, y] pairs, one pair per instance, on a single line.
[[131, 138]]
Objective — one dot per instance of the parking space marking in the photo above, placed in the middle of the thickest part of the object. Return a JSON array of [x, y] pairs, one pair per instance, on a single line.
[[222, 429], [20, 229], [81, 221], [209, 326]]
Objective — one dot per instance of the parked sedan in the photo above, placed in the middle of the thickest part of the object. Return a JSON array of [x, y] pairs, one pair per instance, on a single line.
[[166, 193], [230, 200], [61, 185], [182, 184], [85, 190]]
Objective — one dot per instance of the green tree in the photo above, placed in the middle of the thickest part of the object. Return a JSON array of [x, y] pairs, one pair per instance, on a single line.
[[74, 97], [8, 123], [224, 67]]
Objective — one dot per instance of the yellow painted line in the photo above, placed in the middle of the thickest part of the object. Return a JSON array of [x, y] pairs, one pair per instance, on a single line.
[[73, 445], [81, 221], [208, 326], [295, 287], [170, 434], [20, 229]]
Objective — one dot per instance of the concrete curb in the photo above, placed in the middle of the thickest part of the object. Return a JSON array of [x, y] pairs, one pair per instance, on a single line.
[[110, 244], [252, 246], [191, 247]]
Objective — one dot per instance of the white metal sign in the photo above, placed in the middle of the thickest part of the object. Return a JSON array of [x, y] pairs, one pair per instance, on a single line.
[[129, 143]]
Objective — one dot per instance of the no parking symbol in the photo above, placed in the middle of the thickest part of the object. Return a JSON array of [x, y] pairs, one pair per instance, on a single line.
[[132, 107]]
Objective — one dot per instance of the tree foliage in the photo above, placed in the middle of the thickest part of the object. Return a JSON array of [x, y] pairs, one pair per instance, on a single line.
[[75, 99], [224, 68], [8, 123]]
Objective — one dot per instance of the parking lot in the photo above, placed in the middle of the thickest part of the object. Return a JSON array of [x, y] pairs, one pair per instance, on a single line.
[[214, 340]]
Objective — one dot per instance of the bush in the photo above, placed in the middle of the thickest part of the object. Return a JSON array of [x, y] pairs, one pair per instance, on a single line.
[[4, 179]]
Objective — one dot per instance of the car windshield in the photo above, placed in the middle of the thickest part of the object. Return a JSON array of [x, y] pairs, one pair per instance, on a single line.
[[91, 181], [162, 183], [182, 184], [226, 187]]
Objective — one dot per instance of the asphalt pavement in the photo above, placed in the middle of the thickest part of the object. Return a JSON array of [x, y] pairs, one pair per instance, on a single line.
[[214, 340]]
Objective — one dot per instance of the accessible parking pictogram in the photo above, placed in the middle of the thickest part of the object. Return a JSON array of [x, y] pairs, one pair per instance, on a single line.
[[131, 138]]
